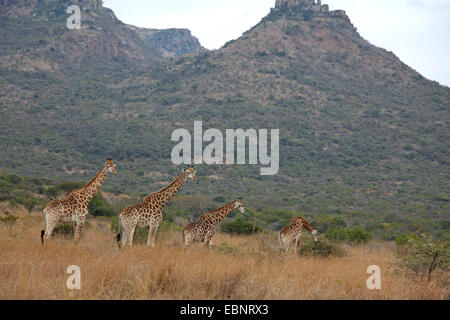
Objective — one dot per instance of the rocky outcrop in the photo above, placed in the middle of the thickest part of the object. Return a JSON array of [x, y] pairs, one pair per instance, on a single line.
[[311, 9], [170, 42]]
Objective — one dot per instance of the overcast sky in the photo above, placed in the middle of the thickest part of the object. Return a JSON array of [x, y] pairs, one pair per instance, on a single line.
[[417, 31]]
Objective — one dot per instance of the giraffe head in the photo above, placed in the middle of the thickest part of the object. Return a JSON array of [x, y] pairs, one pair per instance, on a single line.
[[239, 205], [110, 166], [314, 233], [190, 171]]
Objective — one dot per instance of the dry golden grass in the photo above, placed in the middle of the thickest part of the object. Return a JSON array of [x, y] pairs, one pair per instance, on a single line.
[[236, 268]]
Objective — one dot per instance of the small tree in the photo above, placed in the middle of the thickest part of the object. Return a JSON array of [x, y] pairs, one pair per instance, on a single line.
[[424, 255], [321, 248], [9, 222], [355, 235], [30, 204], [239, 226]]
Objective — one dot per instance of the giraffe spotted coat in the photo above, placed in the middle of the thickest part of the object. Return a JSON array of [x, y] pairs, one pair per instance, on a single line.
[[204, 228], [293, 231], [149, 213], [74, 208]]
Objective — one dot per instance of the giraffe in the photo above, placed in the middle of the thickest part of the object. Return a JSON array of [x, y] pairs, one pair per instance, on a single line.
[[74, 207], [293, 231], [148, 213], [204, 228]]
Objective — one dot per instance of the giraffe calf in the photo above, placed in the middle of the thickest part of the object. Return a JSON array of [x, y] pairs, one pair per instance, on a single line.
[[293, 231], [204, 228]]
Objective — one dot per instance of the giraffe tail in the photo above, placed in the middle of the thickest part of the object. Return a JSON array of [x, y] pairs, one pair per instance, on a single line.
[[119, 233], [44, 213]]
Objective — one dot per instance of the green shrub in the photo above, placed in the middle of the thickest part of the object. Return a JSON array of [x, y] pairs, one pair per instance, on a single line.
[[100, 207], [359, 236], [114, 228], [239, 226], [261, 54], [65, 230], [219, 199], [355, 235], [322, 249], [402, 240], [14, 179], [424, 255]]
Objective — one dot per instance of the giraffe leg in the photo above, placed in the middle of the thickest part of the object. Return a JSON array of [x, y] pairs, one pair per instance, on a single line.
[[281, 240], [127, 229], [286, 242], [74, 224], [187, 243], [287, 245], [298, 240], [124, 236], [50, 223], [80, 219], [152, 233], [208, 237], [130, 234], [49, 230], [78, 230], [186, 239], [149, 239]]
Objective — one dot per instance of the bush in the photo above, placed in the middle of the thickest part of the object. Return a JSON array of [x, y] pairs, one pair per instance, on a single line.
[[14, 179], [322, 249], [9, 221], [239, 226], [355, 235], [219, 199], [64, 230], [100, 207], [260, 54], [424, 255], [402, 240], [359, 236]]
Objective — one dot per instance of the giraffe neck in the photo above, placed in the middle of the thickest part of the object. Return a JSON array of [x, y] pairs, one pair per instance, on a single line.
[[168, 192], [307, 225], [91, 188], [221, 213]]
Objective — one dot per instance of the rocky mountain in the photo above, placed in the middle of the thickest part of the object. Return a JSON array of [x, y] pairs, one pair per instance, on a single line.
[[35, 38], [360, 131], [102, 42], [170, 42]]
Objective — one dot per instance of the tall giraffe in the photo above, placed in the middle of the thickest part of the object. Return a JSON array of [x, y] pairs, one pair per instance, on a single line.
[[204, 228], [148, 213], [293, 231], [74, 208]]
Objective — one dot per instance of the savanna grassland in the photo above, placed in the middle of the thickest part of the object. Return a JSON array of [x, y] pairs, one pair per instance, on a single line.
[[236, 267]]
